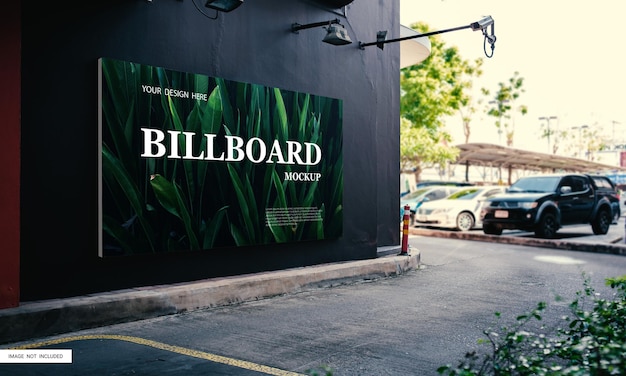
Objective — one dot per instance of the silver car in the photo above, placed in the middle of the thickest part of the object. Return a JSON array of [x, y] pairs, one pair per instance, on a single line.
[[460, 210]]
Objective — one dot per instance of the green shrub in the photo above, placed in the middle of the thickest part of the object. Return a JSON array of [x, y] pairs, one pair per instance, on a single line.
[[593, 342]]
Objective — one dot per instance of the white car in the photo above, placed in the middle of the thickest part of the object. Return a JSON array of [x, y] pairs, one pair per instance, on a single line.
[[460, 210], [421, 195]]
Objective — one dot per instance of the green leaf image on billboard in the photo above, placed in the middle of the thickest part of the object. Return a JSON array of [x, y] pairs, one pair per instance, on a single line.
[[192, 162]]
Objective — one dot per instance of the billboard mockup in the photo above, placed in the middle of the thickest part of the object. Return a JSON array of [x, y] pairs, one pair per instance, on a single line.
[[189, 162]]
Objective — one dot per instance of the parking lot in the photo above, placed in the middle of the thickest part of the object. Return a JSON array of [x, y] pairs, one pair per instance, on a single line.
[[408, 325]]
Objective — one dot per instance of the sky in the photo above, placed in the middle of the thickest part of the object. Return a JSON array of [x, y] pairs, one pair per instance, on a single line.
[[570, 53]]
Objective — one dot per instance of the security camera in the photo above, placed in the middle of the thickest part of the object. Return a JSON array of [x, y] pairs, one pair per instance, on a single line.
[[482, 24]]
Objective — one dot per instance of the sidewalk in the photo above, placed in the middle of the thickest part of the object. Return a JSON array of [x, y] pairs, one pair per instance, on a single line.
[[56, 316]]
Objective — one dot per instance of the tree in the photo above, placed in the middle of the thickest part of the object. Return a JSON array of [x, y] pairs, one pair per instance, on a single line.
[[466, 112], [432, 90], [503, 104], [593, 142], [419, 149], [559, 135], [584, 141]]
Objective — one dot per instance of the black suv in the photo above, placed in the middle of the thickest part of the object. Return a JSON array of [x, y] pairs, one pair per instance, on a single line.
[[545, 203], [606, 184]]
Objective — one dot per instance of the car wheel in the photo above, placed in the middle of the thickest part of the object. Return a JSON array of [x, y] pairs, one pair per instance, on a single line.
[[492, 230], [465, 221], [547, 227], [602, 221]]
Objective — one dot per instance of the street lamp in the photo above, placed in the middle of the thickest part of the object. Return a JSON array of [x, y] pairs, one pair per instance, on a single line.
[[548, 132]]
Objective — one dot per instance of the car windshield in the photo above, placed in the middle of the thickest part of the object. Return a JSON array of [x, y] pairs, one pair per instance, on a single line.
[[465, 194], [536, 184], [416, 194]]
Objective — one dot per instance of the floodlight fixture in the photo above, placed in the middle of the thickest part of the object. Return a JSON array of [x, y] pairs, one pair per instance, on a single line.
[[482, 25], [336, 34], [223, 5]]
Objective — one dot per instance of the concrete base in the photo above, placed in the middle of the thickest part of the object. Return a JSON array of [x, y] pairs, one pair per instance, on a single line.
[[56, 316]]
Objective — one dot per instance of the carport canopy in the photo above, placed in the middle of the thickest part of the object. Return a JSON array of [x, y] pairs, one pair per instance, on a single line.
[[480, 154]]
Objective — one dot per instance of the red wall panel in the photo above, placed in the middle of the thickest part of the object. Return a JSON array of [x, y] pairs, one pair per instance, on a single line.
[[10, 40]]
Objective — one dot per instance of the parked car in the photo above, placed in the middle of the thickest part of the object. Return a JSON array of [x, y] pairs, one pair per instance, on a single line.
[[426, 194], [426, 183], [460, 210], [606, 184], [545, 203]]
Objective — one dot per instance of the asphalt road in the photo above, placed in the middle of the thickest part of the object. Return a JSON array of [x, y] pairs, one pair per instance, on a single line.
[[405, 325]]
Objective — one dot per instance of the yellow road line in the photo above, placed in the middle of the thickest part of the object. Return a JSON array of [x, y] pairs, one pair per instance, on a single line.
[[163, 346]]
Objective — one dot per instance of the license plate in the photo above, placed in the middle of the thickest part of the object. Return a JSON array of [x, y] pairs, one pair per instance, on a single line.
[[501, 214]]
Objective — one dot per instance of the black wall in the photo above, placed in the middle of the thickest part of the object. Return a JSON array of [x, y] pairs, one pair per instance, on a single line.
[[60, 48]]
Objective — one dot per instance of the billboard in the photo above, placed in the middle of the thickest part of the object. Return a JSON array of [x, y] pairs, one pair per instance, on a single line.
[[189, 162]]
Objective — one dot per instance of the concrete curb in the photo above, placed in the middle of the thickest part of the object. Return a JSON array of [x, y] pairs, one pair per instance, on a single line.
[[57, 316], [610, 243]]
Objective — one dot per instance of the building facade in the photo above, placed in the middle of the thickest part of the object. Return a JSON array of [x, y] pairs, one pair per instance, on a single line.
[[55, 107]]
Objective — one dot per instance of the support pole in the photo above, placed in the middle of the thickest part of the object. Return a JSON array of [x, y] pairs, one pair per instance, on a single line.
[[405, 230]]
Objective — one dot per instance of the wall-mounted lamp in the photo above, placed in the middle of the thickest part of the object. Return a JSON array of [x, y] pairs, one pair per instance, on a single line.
[[483, 25], [223, 5], [335, 3], [336, 34]]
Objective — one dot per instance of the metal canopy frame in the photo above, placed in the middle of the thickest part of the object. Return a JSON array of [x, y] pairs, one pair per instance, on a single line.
[[490, 155]]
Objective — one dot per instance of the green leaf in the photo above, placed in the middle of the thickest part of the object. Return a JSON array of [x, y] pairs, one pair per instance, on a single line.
[[212, 229], [242, 202], [280, 235], [170, 198], [113, 165], [280, 119]]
